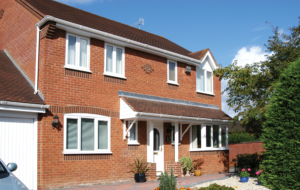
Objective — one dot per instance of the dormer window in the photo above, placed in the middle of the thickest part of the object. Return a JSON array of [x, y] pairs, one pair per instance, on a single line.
[[204, 79], [114, 61]]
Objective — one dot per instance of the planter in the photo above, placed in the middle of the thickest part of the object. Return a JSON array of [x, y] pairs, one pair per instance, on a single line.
[[197, 172], [244, 179], [259, 183], [139, 178]]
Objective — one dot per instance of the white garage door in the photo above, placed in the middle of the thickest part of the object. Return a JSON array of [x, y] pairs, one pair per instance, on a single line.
[[18, 144]]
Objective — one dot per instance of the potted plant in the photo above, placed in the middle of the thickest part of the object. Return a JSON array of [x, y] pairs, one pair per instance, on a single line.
[[187, 164], [244, 175], [197, 166], [139, 168], [259, 177]]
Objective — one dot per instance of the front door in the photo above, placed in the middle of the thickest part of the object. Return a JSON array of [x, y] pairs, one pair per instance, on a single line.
[[158, 148]]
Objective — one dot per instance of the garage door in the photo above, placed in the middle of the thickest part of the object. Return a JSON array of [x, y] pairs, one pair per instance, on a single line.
[[17, 144]]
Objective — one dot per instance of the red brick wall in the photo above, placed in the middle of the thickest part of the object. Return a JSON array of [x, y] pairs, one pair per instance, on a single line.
[[243, 148], [18, 35]]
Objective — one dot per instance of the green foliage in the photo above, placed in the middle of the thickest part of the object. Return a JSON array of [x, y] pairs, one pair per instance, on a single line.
[[167, 182], [250, 87], [239, 137], [244, 173], [139, 166], [281, 133], [215, 186], [187, 164], [252, 161]]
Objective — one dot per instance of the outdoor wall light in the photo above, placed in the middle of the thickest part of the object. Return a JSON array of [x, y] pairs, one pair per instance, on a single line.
[[169, 130], [55, 121]]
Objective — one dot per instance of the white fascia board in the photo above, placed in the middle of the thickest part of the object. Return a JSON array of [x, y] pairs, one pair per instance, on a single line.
[[23, 107], [111, 38], [211, 60]]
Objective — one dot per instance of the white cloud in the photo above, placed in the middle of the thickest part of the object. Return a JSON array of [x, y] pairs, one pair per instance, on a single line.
[[255, 38], [244, 56]]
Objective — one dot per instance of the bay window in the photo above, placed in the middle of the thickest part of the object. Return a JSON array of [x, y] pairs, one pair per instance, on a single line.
[[114, 61], [86, 134], [209, 137], [77, 52], [172, 72], [204, 81]]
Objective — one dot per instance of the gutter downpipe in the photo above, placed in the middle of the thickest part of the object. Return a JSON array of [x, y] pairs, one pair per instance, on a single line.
[[37, 59]]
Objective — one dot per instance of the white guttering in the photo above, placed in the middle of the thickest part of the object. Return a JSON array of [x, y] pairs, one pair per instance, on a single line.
[[37, 59], [179, 117], [186, 59], [19, 104]]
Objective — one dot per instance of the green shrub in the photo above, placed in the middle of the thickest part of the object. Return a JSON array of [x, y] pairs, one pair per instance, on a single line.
[[239, 137], [215, 186], [281, 132], [187, 164], [167, 182], [246, 161]]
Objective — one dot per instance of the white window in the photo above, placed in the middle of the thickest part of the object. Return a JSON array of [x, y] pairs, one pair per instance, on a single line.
[[204, 81], [86, 134], [209, 137], [114, 60], [133, 133], [172, 72], [77, 52]]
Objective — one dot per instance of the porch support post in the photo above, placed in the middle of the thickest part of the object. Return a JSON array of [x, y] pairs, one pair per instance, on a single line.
[[150, 141], [124, 130], [176, 142]]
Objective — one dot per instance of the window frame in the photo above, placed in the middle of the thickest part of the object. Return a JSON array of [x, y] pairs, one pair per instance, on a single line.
[[133, 142], [96, 118], [176, 73], [77, 52], [203, 138], [114, 74], [205, 81]]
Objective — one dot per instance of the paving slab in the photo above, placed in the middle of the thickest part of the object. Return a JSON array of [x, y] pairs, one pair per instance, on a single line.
[[183, 182]]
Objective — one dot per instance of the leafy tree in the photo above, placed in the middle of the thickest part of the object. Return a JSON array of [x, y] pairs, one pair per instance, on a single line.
[[250, 87], [281, 132]]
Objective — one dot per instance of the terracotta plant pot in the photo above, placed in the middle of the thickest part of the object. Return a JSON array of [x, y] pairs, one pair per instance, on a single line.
[[197, 172]]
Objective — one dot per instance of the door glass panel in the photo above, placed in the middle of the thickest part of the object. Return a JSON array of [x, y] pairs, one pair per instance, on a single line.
[[156, 140]]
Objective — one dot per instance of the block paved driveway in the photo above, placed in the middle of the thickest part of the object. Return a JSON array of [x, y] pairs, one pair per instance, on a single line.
[[184, 181]]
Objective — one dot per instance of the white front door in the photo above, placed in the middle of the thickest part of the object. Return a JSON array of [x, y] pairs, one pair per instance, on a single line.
[[158, 148]]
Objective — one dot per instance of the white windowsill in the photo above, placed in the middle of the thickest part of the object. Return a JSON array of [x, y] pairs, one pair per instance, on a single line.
[[212, 94], [174, 144], [174, 83], [208, 149], [77, 69], [113, 75], [87, 152], [133, 143]]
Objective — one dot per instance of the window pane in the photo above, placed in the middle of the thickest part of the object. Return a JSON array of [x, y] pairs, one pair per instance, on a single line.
[[216, 136], [196, 136], [72, 130], [119, 61], [102, 135], [209, 81], [156, 140], [109, 56], [200, 80], [208, 136], [171, 71], [223, 132], [71, 50], [132, 133], [87, 134], [83, 53]]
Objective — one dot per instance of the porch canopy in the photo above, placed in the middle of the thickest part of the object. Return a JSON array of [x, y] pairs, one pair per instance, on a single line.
[[152, 108]]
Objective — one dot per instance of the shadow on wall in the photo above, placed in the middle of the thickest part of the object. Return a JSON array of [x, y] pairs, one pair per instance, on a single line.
[[224, 158]]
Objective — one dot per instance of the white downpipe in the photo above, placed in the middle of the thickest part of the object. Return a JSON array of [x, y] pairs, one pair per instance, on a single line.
[[176, 142], [150, 132], [112, 36], [37, 59]]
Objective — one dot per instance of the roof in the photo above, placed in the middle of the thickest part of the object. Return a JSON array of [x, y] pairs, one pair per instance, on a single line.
[[13, 85], [71, 14], [140, 105]]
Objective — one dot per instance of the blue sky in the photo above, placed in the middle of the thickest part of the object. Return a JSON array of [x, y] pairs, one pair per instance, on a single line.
[[232, 29]]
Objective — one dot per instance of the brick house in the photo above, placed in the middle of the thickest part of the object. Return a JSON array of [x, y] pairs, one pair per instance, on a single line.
[[120, 93]]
